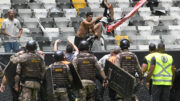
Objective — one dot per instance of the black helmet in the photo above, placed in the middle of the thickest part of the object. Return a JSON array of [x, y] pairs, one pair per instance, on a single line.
[[59, 55], [31, 45], [124, 44], [152, 47], [83, 45]]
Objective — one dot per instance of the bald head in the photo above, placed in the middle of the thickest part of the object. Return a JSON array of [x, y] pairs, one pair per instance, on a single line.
[[11, 14], [161, 47]]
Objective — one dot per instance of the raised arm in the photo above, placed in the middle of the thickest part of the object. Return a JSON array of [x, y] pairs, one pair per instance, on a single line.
[[55, 44]]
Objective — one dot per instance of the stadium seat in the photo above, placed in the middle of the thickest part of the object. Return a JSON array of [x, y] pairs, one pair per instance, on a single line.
[[76, 22], [128, 30], [51, 32], [31, 22], [176, 3], [26, 32], [145, 30], [47, 22], [83, 11], [63, 4], [5, 4], [79, 4], [136, 21], [36, 5], [40, 13], [19, 4], [167, 20], [94, 3], [36, 32], [117, 13], [174, 30], [23, 40], [67, 31], [97, 12], [153, 39], [172, 47], [123, 3], [143, 47], [166, 3], [138, 40], [160, 30], [70, 13], [61, 22], [54, 12], [144, 11], [151, 20], [48, 4], [25, 13], [168, 39], [178, 20], [174, 11], [1, 20], [126, 10]]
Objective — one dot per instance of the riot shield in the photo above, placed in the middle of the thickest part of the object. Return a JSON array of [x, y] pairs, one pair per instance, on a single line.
[[10, 72], [77, 84], [120, 81], [48, 84]]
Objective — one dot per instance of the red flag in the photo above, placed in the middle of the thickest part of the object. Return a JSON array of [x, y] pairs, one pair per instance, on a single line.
[[130, 14]]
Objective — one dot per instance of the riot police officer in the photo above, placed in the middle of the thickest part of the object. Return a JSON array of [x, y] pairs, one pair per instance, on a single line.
[[86, 65], [128, 61], [30, 71], [61, 77]]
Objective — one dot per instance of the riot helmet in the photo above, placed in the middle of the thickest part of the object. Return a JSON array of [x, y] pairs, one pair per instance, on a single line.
[[83, 45], [124, 44], [152, 47], [31, 45], [59, 55]]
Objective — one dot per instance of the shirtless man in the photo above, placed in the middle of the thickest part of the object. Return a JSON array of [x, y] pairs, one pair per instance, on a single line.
[[85, 27]]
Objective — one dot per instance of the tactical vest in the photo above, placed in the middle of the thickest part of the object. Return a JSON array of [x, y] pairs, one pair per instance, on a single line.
[[86, 67], [31, 68], [60, 75], [148, 58], [128, 62], [162, 74]]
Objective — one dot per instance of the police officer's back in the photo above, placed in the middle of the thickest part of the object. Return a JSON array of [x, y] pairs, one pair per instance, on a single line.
[[128, 60], [30, 71], [61, 76], [86, 64]]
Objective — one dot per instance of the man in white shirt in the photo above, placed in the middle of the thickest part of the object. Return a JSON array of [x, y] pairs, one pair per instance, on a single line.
[[12, 31]]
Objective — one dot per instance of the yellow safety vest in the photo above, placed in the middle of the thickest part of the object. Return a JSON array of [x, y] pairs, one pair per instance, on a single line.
[[162, 74], [148, 58]]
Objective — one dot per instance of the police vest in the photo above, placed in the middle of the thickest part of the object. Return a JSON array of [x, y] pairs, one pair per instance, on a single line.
[[86, 66], [60, 75], [148, 58], [162, 74]]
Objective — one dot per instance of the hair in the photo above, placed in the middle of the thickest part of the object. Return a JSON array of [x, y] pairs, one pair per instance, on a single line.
[[89, 13], [10, 10], [161, 47], [69, 48]]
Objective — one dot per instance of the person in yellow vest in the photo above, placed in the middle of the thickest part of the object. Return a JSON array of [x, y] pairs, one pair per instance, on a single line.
[[162, 72], [147, 60]]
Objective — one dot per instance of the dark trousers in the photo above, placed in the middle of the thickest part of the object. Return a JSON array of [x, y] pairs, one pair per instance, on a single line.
[[77, 40], [160, 93]]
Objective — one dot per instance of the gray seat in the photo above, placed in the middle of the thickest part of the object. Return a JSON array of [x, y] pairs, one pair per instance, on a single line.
[[36, 5], [174, 30], [174, 11], [47, 22], [123, 3], [160, 30], [51, 32], [167, 20], [5, 4], [25, 13], [94, 3], [76, 22], [67, 31], [61, 22], [40, 13], [70, 13], [31, 22], [129, 30], [36, 32], [97, 12], [54, 12], [137, 21], [151, 20], [48, 4], [19, 4], [83, 11], [63, 4]]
